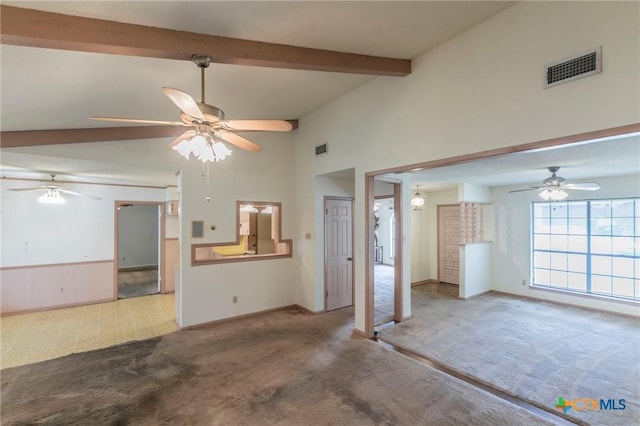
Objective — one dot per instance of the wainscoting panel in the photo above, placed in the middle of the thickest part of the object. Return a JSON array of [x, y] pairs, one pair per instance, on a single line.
[[39, 287]]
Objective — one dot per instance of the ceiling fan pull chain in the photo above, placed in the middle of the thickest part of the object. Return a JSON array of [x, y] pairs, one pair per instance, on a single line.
[[202, 84]]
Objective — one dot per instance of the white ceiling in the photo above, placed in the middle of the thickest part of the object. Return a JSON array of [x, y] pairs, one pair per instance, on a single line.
[[52, 89]]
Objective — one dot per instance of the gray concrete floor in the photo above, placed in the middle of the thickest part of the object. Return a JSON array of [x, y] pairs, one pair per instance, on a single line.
[[534, 350], [284, 368], [138, 282]]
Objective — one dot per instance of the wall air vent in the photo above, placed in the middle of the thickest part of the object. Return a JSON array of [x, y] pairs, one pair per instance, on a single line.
[[578, 66], [321, 149]]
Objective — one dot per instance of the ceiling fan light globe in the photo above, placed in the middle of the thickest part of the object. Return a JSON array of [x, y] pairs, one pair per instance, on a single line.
[[51, 198], [558, 194], [220, 151], [545, 194]]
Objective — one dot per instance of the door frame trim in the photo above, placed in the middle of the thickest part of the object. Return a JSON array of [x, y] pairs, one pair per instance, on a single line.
[[326, 247], [161, 242]]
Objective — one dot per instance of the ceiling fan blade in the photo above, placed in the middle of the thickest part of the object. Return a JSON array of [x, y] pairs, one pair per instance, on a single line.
[[527, 189], [27, 189], [137, 120], [259, 125], [186, 135], [78, 194], [583, 186], [239, 141], [184, 102]]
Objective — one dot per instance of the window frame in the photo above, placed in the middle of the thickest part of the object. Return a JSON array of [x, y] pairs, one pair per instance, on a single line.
[[590, 254]]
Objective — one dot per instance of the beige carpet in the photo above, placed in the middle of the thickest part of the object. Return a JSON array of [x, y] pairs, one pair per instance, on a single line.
[[281, 368], [535, 350]]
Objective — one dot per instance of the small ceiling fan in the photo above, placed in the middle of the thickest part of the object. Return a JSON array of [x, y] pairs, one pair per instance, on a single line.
[[207, 121], [554, 186], [53, 192]]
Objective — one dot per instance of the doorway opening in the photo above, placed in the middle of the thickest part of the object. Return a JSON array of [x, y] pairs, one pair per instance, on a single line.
[[138, 249], [384, 242]]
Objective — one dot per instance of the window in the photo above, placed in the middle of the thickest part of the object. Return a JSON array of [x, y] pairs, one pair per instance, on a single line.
[[590, 247]]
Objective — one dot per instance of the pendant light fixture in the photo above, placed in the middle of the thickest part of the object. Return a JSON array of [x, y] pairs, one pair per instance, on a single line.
[[417, 201]]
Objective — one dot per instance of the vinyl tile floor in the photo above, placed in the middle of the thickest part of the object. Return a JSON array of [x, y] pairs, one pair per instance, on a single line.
[[38, 336]]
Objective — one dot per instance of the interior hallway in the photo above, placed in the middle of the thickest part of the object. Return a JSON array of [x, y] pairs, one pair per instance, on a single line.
[[383, 294], [38, 336]]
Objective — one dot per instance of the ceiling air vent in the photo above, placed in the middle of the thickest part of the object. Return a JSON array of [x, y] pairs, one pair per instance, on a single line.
[[581, 65], [321, 149]]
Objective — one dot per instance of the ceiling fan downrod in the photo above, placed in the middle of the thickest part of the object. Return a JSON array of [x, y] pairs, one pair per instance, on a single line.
[[203, 62]]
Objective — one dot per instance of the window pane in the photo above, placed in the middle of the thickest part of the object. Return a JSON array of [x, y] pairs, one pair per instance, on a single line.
[[559, 279], [601, 284], [601, 265], [559, 210], [601, 209], [622, 267], [601, 245], [578, 209], [559, 226], [577, 263], [541, 226], [622, 245], [601, 226], [541, 260], [622, 227], [623, 287], [578, 226], [542, 242], [541, 210], [577, 281], [541, 276], [559, 261], [559, 242], [622, 208], [578, 244]]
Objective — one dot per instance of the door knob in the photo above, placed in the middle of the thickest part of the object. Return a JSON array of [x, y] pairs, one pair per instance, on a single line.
[[349, 259]]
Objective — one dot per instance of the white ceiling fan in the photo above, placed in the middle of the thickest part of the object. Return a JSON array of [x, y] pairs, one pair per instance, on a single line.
[[209, 126], [554, 186], [53, 192]]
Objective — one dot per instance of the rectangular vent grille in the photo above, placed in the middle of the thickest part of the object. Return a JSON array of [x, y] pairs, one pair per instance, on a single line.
[[573, 68], [321, 149]]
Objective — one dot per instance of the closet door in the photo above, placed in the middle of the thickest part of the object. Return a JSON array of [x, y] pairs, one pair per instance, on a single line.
[[449, 244]]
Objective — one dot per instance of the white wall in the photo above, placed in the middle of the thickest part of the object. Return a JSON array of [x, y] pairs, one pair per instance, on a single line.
[[81, 230], [511, 248], [138, 235], [480, 90], [475, 269], [205, 292]]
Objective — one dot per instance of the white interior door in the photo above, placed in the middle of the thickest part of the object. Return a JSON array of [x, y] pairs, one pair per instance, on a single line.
[[338, 253], [449, 244]]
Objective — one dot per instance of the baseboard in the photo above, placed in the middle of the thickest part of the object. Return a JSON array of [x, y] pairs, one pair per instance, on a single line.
[[475, 295], [307, 310], [359, 333], [137, 268], [51, 308], [238, 317], [429, 281], [555, 302]]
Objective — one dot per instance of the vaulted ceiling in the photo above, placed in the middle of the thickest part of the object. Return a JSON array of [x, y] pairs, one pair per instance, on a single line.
[[57, 71]]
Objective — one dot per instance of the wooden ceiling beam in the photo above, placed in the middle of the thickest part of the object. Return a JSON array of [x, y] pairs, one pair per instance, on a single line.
[[14, 139], [33, 28]]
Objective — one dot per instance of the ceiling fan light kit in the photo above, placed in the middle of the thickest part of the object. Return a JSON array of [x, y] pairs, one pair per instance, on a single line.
[[52, 196], [207, 141], [554, 186]]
